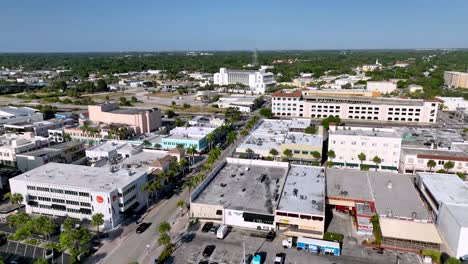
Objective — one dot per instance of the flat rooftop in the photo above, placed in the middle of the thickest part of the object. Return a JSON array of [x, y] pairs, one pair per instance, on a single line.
[[459, 212], [107, 146], [304, 190], [367, 133], [144, 158], [426, 137], [271, 133], [364, 100], [153, 138], [78, 176], [445, 188], [251, 190], [393, 194], [128, 111]]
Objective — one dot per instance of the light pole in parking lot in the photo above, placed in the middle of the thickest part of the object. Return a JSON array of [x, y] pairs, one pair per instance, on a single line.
[[243, 248], [148, 248]]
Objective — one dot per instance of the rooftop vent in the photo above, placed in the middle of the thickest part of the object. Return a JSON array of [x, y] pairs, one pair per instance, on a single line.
[[223, 185], [414, 215], [243, 190], [295, 191], [389, 185]]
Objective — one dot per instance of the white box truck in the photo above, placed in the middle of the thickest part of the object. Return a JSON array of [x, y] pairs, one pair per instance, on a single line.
[[222, 231]]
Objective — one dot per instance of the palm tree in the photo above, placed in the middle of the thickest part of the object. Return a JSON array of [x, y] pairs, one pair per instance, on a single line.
[[431, 164], [164, 227], [192, 150], [331, 155], [361, 157], [181, 165], [210, 137], [181, 204], [15, 198], [97, 220], [92, 131], [147, 144], [316, 155], [377, 160], [274, 153], [244, 132], [449, 165], [231, 137], [288, 153], [85, 129]]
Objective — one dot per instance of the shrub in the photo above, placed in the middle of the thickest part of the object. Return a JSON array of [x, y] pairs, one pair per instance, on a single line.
[[376, 229], [435, 255], [329, 236], [166, 254]]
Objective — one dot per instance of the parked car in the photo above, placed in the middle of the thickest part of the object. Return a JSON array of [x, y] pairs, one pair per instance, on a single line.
[[208, 250], [206, 227], [270, 236], [257, 259], [279, 259], [142, 227], [213, 229]]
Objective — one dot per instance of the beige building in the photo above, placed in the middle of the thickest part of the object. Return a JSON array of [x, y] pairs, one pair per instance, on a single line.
[[456, 79]]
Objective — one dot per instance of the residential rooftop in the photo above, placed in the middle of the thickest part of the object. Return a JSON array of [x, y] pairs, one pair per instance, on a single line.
[[78, 176], [144, 158], [245, 185], [445, 188], [304, 190]]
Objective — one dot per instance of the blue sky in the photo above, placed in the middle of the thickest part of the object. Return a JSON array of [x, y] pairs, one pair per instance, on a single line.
[[162, 25]]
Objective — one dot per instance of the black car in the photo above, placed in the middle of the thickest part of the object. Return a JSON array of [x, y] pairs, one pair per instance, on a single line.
[[270, 236], [206, 227], [142, 227], [279, 259], [208, 250], [203, 262]]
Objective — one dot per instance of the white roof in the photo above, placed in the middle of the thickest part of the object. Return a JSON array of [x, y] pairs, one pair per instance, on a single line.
[[409, 230], [445, 188], [16, 111], [93, 178], [107, 146]]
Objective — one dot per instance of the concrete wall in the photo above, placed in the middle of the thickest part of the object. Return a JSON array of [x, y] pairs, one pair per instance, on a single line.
[[453, 234]]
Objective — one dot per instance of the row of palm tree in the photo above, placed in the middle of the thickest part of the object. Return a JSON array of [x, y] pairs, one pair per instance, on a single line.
[[89, 131], [118, 133], [250, 125]]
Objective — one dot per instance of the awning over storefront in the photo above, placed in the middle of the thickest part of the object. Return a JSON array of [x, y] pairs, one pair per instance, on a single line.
[[409, 230]]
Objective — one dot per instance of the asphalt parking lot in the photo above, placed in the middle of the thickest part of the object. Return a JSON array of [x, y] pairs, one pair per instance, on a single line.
[[230, 250]]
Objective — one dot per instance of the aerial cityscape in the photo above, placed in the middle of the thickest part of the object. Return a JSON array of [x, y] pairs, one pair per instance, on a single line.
[[234, 133]]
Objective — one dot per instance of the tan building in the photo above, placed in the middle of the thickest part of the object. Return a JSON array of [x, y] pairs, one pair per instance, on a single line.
[[456, 79]]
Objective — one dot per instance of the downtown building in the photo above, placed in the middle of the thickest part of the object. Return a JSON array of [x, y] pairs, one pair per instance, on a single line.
[[456, 79], [258, 81], [296, 104], [66, 190]]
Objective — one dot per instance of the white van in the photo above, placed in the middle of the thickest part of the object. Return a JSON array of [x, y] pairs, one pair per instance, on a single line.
[[222, 231]]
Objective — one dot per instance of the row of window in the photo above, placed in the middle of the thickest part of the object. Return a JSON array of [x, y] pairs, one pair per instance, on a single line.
[[45, 189], [129, 190], [71, 210], [374, 144], [306, 217], [55, 200]]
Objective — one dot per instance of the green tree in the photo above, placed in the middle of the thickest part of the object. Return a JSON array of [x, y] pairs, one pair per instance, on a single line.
[[164, 227], [249, 153], [15, 198], [134, 100], [174, 104], [274, 153], [147, 144], [102, 86], [377, 160], [231, 137], [331, 119], [362, 157], [97, 220], [266, 112], [431, 164], [169, 113], [288, 153], [316, 155], [232, 115], [43, 225], [178, 122], [449, 165], [164, 239], [181, 204], [210, 138], [74, 240], [310, 130], [331, 155], [452, 260]]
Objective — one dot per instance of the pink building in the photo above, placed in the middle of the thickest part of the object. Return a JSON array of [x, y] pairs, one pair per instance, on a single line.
[[143, 120]]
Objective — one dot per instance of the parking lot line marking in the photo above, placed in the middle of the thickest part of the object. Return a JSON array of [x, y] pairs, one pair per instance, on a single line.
[[16, 249], [34, 252], [25, 248]]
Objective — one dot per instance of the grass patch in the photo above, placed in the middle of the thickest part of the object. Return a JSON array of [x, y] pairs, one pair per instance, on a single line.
[[435, 255], [33, 242]]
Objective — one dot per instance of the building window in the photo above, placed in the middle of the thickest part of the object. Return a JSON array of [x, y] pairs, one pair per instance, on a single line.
[[31, 187]]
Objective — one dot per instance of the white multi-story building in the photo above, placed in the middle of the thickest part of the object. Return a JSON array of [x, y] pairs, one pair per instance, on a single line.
[[40, 128], [295, 104], [349, 142], [384, 87], [447, 197], [258, 81], [11, 115], [112, 150], [12, 144], [76, 191]]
